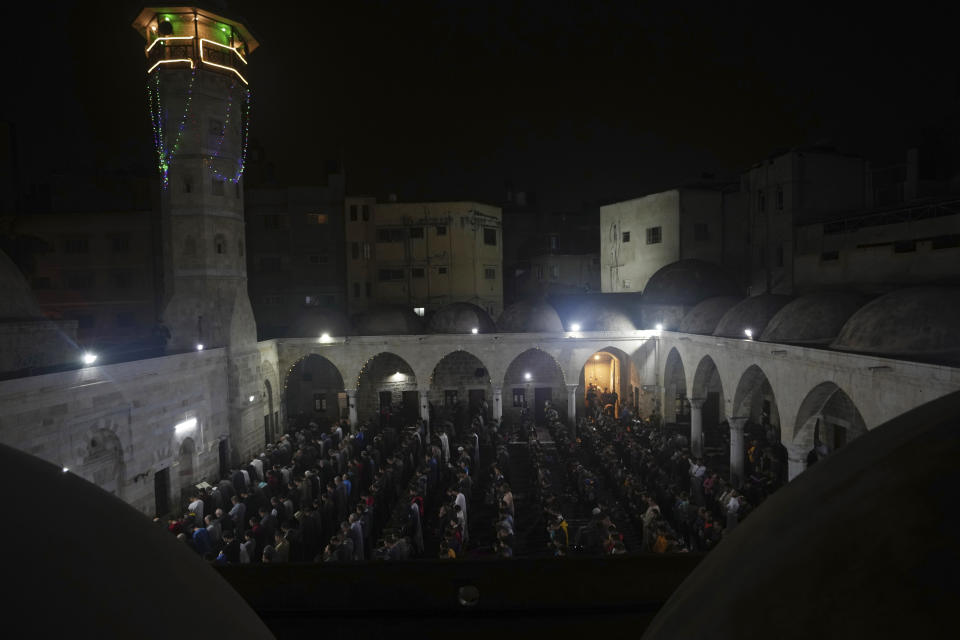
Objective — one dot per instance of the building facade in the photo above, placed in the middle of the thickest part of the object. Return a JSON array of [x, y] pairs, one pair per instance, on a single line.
[[423, 255]]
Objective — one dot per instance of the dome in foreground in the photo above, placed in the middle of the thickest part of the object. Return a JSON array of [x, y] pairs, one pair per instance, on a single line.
[[814, 318], [704, 318], [752, 313], [916, 323], [530, 317], [846, 569], [389, 321], [460, 317], [687, 283], [313, 322]]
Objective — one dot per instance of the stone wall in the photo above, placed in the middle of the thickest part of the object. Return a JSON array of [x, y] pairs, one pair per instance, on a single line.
[[380, 374], [458, 372], [544, 372], [310, 376]]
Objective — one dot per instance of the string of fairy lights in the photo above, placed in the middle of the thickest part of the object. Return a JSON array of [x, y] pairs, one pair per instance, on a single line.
[[166, 153]]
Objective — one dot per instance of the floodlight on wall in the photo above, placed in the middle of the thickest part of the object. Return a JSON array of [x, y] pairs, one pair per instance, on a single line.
[[474, 330], [748, 333], [66, 469], [186, 425], [596, 357], [575, 327], [89, 358], [252, 398], [527, 376], [324, 337], [659, 327], [199, 347]]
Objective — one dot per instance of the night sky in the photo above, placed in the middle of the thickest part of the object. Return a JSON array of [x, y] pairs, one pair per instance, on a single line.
[[578, 102]]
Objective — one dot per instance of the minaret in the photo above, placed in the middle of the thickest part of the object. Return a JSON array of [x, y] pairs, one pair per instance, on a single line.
[[199, 100]]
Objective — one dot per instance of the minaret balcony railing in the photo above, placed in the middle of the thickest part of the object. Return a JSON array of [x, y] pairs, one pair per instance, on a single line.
[[183, 51]]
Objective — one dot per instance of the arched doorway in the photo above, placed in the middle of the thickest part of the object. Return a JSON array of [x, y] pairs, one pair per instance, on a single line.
[[827, 420], [387, 386], [708, 390], [314, 392], [533, 378], [459, 389], [269, 424], [188, 450], [103, 461], [676, 407], [609, 381], [755, 401]]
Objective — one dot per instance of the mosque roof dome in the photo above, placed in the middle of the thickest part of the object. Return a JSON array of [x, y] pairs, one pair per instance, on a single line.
[[815, 318], [917, 323], [460, 317], [389, 320], [822, 575], [751, 313], [18, 300], [598, 311], [704, 318], [315, 321], [687, 283], [530, 317]]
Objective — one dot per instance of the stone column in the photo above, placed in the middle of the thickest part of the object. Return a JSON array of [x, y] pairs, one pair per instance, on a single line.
[[696, 427], [572, 409], [796, 462], [497, 404], [352, 407], [736, 450], [425, 410]]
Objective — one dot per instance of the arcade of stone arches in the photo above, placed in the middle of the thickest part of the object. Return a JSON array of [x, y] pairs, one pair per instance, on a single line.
[[715, 416]]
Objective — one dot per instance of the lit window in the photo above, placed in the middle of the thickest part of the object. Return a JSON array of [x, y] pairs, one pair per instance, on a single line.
[[419, 311], [317, 218], [654, 235], [518, 397]]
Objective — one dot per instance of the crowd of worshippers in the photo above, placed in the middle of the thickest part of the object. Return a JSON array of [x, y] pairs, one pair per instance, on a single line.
[[600, 401], [322, 494]]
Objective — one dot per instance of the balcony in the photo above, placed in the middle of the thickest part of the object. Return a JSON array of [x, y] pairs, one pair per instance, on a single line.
[[182, 51]]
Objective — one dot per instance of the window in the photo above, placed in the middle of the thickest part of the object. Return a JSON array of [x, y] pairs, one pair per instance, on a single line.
[[417, 272], [387, 275], [188, 184], [554, 271], [442, 271], [701, 232], [654, 235], [217, 186], [490, 236], [441, 230], [319, 402], [76, 244], [355, 250], [271, 221], [519, 398], [780, 197], [317, 218], [780, 256], [365, 209], [353, 213], [366, 250], [311, 301], [271, 300], [220, 245], [416, 233], [449, 397], [126, 319], [356, 289], [554, 243], [761, 201], [369, 287], [829, 255], [120, 243], [490, 274], [419, 311], [390, 235], [625, 236]]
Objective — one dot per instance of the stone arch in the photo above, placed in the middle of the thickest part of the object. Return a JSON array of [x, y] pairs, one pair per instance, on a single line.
[[614, 369], [708, 388], [103, 461], [387, 382], [828, 419], [676, 407], [545, 381], [754, 399], [313, 391], [460, 381]]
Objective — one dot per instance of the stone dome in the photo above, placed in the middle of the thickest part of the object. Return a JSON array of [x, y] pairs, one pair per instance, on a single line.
[[687, 283], [530, 317], [598, 311], [752, 313], [704, 318], [18, 301], [917, 322], [389, 320], [314, 322], [460, 317], [815, 318], [822, 575]]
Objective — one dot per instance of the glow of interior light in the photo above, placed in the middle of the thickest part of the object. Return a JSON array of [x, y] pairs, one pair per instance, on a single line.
[[154, 43], [252, 398], [89, 358], [199, 347], [575, 327], [160, 62], [659, 327], [748, 333], [186, 425], [474, 330], [527, 376]]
